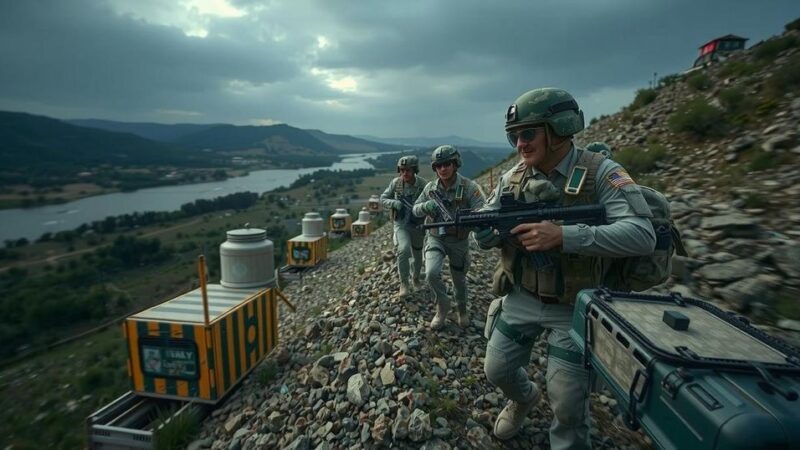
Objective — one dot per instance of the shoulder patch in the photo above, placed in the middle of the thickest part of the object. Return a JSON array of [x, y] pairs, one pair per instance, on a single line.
[[619, 177]]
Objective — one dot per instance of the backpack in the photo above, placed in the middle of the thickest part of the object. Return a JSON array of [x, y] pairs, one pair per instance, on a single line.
[[638, 273]]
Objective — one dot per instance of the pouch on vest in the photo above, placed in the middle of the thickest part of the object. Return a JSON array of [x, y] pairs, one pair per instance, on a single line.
[[501, 284], [491, 316]]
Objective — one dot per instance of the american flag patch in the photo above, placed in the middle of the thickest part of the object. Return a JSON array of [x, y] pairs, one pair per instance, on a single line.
[[619, 178]]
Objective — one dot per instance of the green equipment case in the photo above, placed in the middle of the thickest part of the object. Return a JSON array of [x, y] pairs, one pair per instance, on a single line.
[[691, 375]]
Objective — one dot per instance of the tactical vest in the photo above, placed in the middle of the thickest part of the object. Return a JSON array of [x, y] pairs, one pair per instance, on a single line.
[[571, 272], [399, 191], [459, 233]]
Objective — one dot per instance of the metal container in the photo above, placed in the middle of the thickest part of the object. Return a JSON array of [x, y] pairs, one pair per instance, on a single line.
[[246, 259], [361, 227], [173, 353], [304, 251], [374, 204], [340, 221], [313, 225]]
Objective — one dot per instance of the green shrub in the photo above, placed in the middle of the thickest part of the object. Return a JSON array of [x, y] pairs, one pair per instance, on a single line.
[[763, 160], [738, 69], [699, 81], [738, 104], [643, 97], [638, 161], [698, 118], [793, 25], [771, 48], [786, 78], [176, 432]]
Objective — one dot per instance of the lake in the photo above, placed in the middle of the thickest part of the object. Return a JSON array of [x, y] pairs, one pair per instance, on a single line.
[[31, 223]]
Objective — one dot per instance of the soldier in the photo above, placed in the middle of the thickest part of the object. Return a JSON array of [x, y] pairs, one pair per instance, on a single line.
[[540, 124], [408, 235], [458, 192], [602, 148]]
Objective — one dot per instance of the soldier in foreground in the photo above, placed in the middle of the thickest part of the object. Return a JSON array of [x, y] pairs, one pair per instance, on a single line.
[[398, 198], [540, 124], [454, 192]]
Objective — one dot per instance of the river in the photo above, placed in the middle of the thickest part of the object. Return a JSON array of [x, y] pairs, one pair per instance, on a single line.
[[31, 223]]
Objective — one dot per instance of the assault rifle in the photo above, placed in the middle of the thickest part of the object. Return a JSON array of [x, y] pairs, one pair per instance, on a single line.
[[513, 213], [408, 205]]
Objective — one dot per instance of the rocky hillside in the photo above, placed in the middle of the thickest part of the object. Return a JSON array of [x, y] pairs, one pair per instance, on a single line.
[[724, 144], [358, 368]]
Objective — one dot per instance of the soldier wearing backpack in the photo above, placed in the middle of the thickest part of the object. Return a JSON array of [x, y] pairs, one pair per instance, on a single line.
[[408, 235], [540, 124]]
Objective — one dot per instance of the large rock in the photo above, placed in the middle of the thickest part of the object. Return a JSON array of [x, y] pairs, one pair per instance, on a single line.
[[732, 225], [419, 426], [357, 389], [728, 271], [787, 258], [743, 292]]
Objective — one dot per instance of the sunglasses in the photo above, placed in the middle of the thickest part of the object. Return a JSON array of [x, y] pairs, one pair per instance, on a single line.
[[442, 164], [526, 135]]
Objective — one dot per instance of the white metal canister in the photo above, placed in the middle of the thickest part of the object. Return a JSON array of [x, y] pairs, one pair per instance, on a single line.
[[246, 259], [364, 216], [313, 225]]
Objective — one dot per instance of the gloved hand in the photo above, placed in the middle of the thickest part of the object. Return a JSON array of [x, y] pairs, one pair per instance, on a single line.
[[429, 207], [397, 205], [487, 238]]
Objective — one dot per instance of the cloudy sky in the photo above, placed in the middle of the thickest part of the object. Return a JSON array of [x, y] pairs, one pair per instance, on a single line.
[[386, 68]]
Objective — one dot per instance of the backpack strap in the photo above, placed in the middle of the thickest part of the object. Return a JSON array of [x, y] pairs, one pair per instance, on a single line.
[[399, 188]]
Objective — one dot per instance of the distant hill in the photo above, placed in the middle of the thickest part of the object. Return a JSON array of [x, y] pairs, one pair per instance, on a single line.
[[434, 141], [153, 131], [350, 144], [28, 140]]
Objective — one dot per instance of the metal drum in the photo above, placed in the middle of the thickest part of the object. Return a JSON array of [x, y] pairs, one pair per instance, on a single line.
[[246, 259], [313, 225]]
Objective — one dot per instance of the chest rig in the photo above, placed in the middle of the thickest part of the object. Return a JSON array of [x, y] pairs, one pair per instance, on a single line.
[[400, 188], [570, 272], [457, 203]]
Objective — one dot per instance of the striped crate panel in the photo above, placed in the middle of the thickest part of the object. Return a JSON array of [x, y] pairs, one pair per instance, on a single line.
[[173, 354]]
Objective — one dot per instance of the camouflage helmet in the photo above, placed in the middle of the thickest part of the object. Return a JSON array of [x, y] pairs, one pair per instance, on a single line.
[[555, 107], [600, 147], [444, 153], [410, 162]]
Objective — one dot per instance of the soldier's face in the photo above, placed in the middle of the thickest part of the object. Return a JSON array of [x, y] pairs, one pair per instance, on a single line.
[[407, 174], [445, 170], [532, 150]]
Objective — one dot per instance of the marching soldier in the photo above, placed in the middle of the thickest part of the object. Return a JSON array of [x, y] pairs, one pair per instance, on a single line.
[[408, 235], [540, 124], [458, 192]]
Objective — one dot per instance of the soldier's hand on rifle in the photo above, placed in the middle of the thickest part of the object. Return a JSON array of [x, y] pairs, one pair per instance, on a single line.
[[487, 238], [429, 207], [397, 205], [539, 237]]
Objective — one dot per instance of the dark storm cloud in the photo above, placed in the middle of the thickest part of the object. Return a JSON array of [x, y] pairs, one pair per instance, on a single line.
[[384, 68], [81, 53]]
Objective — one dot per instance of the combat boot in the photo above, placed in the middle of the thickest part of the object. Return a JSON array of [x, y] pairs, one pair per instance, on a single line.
[[403, 289], [416, 283], [510, 419], [462, 316], [442, 308]]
